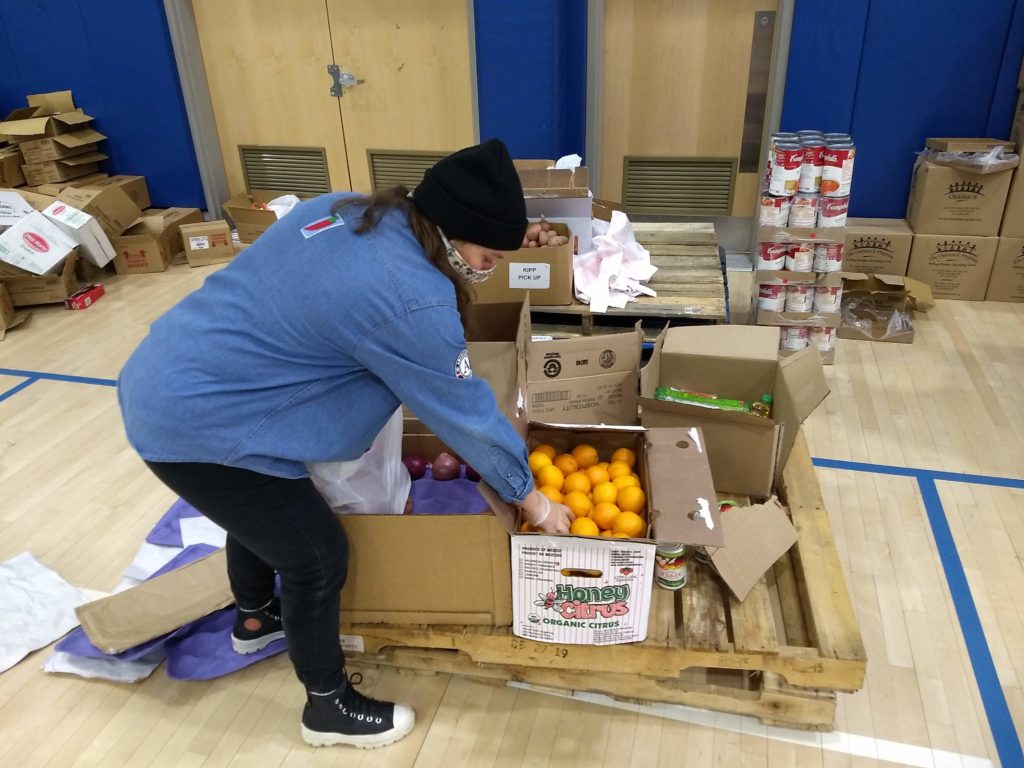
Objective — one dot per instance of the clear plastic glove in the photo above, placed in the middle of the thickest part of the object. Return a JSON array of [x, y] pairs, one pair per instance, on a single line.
[[547, 515]]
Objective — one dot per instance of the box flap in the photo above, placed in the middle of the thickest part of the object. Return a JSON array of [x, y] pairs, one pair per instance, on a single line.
[[79, 138], [31, 126], [968, 144], [804, 378], [13, 208], [724, 341], [805, 319], [588, 356], [757, 536], [87, 158], [52, 103], [650, 374], [683, 504], [78, 117]]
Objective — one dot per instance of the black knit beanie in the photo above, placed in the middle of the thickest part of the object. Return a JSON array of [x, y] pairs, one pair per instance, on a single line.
[[475, 195]]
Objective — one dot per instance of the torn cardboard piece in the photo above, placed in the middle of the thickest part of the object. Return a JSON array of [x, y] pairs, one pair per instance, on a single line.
[[757, 536], [879, 307], [9, 317]]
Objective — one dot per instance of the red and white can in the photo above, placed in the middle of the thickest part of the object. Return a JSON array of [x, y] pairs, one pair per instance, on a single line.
[[799, 298], [837, 169], [828, 298], [828, 257], [823, 339], [832, 211], [804, 210], [772, 255], [774, 211], [811, 165], [785, 174], [771, 298], [835, 137], [794, 337], [800, 258], [810, 135]]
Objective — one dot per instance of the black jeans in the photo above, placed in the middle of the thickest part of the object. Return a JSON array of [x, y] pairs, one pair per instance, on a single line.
[[282, 526]]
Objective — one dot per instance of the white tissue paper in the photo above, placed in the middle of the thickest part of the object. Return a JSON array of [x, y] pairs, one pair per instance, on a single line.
[[612, 273], [282, 206], [569, 162]]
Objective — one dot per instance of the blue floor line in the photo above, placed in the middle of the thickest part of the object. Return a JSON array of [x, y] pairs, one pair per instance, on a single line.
[[17, 388], [58, 377], [933, 474]]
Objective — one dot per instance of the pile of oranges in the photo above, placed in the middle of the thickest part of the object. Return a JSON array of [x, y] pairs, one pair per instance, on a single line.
[[605, 496]]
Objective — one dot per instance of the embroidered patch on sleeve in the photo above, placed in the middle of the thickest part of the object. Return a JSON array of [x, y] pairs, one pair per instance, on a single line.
[[463, 370], [322, 225]]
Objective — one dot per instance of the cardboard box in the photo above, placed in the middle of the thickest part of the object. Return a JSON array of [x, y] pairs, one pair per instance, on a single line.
[[28, 290], [133, 186], [877, 245], [968, 144], [877, 308], [806, 319], [746, 452], [10, 168], [13, 208], [1013, 212], [250, 221], [84, 297], [61, 146], [952, 201], [595, 591], [9, 316], [47, 114], [954, 267], [1007, 280], [62, 170], [110, 205], [35, 245], [207, 243], [544, 273], [150, 245], [540, 179], [586, 380], [93, 243], [57, 187], [813, 235]]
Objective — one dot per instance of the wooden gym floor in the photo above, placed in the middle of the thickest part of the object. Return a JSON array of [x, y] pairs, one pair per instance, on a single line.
[[920, 452]]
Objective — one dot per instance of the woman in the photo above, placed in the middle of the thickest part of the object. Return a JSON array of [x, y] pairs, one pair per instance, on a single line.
[[299, 351]]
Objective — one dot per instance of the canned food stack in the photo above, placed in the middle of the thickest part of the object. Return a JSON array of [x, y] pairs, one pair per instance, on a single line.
[[802, 215]]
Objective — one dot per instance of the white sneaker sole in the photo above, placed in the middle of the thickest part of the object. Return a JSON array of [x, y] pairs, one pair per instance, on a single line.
[[373, 741], [245, 647]]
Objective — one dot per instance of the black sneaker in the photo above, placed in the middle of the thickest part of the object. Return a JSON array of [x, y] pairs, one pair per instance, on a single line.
[[255, 630], [347, 717]]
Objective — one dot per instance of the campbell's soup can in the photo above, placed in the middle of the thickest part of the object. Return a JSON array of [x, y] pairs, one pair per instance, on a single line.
[[803, 211], [832, 211], [774, 211], [800, 258], [784, 136], [828, 257], [785, 174], [810, 134], [772, 255], [837, 169], [811, 165], [823, 339], [794, 337], [836, 136], [800, 298], [827, 298], [771, 298]]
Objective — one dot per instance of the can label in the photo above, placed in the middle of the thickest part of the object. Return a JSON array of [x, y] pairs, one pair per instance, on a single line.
[[772, 255], [771, 298], [785, 172], [828, 257], [824, 339], [832, 211], [774, 211], [800, 298], [794, 337], [800, 258], [670, 569], [837, 170], [804, 211], [810, 166], [827, 298]]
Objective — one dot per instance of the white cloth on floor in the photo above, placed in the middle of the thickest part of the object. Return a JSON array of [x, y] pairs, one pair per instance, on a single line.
[[148, 560], [201, 530], [612, 273], [38, 607], [114, 670]]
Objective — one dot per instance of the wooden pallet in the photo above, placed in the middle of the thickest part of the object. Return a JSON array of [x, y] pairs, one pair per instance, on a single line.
[[689, 283], [780, 655]]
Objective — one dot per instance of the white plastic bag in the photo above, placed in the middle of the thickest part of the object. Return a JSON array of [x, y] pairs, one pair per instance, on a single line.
[[282, 206], [377, 483]]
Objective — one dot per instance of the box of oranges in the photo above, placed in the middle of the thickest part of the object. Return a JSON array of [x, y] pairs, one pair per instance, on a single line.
[[628, 487]]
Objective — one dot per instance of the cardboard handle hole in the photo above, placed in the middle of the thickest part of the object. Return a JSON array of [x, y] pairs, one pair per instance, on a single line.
[[582, 573], [684, 444]]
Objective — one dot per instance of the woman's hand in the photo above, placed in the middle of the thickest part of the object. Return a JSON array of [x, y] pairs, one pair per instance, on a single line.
[[549, 516]]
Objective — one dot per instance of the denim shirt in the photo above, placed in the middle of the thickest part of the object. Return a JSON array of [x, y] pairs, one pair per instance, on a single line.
[[302, 347]]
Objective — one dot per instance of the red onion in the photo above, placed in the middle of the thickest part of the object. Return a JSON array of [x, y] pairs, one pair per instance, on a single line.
[[472, 474], [416, 465], [445, 467]]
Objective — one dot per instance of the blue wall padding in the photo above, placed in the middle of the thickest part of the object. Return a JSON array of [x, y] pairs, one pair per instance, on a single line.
[[1004, 99]]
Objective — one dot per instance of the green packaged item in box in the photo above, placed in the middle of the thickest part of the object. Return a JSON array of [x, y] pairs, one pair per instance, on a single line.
[[704, 401]]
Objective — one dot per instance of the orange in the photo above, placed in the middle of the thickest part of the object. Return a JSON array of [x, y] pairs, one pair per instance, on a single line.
[[604, 515], [607, 534], [552, 493], [526, 528], [605, 493], [626, 456], [632, 499], [603, 465], [597, 475], [618, 469], [547, 450], [629, 523], [619, 535], [566, 463], [576, 481], [538, 461], [624, 481], [550, 476], [578, 503], [584, 526], [585, 455]]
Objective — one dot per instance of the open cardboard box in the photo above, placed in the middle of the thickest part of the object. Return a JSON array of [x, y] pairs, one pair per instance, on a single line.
[[545, 273], [541, 179], [28, 290], [250, 220], [151, 244]]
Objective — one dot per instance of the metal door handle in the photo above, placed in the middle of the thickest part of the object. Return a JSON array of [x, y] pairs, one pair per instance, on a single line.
[[342, 80]]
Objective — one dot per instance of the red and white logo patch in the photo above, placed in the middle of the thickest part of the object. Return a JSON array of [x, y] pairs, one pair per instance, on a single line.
[[463, 370]]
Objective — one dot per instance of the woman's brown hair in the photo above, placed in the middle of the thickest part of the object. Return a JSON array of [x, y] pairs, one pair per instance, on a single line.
[[379, 203]]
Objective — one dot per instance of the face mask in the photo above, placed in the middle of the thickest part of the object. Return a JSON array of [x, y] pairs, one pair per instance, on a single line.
[[465, 272]]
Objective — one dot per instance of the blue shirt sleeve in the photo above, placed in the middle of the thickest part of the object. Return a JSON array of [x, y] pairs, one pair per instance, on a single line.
[[421, 356]]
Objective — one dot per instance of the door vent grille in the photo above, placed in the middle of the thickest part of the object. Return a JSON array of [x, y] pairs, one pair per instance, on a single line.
[[390, 167], [299, 170], [679, 186]]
